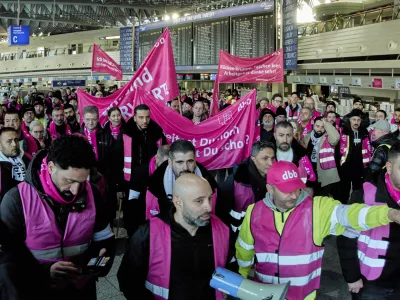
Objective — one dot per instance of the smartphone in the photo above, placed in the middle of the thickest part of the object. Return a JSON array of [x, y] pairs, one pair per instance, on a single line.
[[96, 264]]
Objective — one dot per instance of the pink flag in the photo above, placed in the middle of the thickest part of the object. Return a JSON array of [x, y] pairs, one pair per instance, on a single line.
[[234, 69], [103, 63], [156, 75], [221, 141]]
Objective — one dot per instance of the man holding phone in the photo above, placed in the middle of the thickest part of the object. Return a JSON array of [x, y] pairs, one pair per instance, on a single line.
[[60, 217]]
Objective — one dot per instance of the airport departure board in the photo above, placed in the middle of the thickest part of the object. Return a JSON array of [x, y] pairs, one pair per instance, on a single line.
[[147, 39], [182, 39], [253, 35], [209, 38], [244, 30]]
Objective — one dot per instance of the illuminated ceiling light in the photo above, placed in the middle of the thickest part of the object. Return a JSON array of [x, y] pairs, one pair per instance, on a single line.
[[115, 37], [166, 18], [61, 16], [41, 33], [187, 14], [175, 16]]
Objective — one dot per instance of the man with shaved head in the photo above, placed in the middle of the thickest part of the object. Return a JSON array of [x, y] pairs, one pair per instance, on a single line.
[[174, 255]]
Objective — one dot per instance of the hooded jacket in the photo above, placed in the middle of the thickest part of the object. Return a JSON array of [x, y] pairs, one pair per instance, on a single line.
[[192, 263], [12, 215], [347, 247], [380, 155]]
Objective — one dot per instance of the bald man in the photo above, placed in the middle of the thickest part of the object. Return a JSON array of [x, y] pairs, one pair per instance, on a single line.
[[174, 255]]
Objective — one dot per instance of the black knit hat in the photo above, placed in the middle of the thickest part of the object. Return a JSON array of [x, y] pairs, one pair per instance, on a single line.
[[189, 101], [331, 103], [27, 107], [267, 111], [280, 111], [57, 94], [356, 113]]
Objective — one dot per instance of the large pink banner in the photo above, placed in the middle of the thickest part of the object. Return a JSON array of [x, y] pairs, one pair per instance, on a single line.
[[156, 75], [234, 69], [103, 63], [221, 141]]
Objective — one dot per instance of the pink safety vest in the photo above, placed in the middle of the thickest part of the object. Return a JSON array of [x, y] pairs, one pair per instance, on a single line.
[[292, 256], [153, 208], [306, 170], [309, 128], [293, 115], [371, 244], [327, 155], [128, 155], [43, 236], [160, 255], [345, 145]]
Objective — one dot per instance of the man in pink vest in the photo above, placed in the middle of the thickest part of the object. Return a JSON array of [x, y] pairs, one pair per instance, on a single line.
[[320, 144], [174, 255], [293, 109], [140, 140], [282, 236], [59, 215], [356, 152], [288, 149], [370, 260], [182, 160], [305, 121], [58, 126], [310, 103]]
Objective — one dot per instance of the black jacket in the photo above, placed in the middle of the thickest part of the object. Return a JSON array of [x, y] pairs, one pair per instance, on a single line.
[[75, 127], [192, 263], [105, 149], [156, 187], [21, 276], [12, 215], [6, 180], [144, 147], [380, 155], [347, 247]]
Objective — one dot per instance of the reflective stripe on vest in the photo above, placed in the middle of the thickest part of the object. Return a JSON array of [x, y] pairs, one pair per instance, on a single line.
[[281, 258], [327, 155], [158, 277], [345, 145], [43, 236], [127, 157], [57, 253], [371, 246]]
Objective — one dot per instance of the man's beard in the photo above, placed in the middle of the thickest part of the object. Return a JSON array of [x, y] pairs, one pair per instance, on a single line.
[[196, 222], [181, 173], [318, 134], [282, 149], [67, 195]]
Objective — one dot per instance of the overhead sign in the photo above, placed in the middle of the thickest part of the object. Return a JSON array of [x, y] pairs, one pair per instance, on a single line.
[[18, 35], [57, 83], [126, 49], [290, 34]]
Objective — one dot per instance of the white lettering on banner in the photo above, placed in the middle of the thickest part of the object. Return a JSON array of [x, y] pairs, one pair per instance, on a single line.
[[225, 135], [157, 91], [162, 41], [243, 104]]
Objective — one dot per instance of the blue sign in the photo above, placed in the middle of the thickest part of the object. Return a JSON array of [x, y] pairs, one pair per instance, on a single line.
[[58, 83], [213, 14], [126, 49], [18, 35], [107, 77], [290, 34]]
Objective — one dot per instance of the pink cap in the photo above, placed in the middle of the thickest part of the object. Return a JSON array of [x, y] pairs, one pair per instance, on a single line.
[[285, 176]]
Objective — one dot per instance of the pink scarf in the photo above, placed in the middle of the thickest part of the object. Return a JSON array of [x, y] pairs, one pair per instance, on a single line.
[[91, 137], [53, 130], [395, 194], [115, 130], [48, 185], [24, 128]]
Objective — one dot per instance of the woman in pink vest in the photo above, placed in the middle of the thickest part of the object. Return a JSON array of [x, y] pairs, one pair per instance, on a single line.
[[174, 255]]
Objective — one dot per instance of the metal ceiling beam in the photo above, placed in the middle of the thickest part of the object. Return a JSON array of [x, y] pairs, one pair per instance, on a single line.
[[133, 5]]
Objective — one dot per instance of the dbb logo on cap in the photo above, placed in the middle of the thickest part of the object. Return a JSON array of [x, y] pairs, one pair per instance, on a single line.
[[289, 175]]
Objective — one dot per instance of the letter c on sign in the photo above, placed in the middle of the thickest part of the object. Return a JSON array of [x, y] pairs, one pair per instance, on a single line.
[[15, 39]]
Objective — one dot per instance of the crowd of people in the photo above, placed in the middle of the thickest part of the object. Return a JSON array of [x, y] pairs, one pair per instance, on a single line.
[[63, 175]]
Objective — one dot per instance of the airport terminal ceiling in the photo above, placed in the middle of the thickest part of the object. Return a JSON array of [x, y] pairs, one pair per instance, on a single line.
[[60, 16]]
